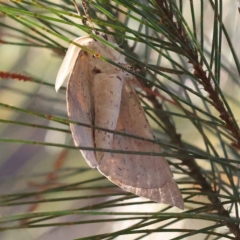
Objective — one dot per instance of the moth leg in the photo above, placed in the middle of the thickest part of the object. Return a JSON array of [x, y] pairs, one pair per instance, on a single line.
[[107, 90]]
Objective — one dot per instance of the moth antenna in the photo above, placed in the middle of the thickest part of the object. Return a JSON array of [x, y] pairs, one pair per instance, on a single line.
[[84, 22], [77, 8], [88, 18], [85, 9]]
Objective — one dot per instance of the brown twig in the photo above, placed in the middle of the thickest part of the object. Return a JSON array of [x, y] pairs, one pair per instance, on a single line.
[[17, 76], [175, 26], [194, 170], [182, 38]]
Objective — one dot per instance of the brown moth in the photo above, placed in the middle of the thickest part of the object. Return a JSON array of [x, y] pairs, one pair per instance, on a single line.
[[100, 94]]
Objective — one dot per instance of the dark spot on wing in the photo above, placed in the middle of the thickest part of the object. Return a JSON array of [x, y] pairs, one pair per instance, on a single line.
[[96, 70], [119, 78]]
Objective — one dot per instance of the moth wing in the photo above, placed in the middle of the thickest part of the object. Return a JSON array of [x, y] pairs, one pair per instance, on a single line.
[[69, 61], [79, 106], [143, 175]]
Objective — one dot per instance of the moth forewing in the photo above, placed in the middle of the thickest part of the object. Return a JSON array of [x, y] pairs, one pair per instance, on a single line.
[[100, 94], [79, 107]]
